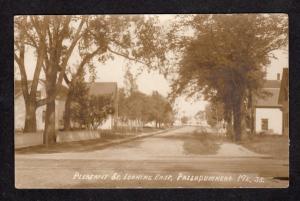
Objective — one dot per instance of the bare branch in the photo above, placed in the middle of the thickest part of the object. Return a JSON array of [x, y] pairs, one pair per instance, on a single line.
[[63, 66], [69, 52], [66, 79], [24, 83], [36, 25], [127, 57], [41, 51]]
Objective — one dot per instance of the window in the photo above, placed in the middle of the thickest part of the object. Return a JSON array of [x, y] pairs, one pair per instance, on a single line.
[[264, 124], [38, 95]]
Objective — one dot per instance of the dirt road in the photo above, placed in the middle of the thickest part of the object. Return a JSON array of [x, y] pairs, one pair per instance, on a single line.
[[156, 161]]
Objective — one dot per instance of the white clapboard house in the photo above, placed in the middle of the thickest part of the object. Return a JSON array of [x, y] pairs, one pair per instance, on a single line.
[[268, 112], [20, 111], [96, 88]]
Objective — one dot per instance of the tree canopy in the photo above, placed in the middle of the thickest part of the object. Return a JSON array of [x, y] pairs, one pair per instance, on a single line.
[[145, 108], [225, 58], [54, 39]]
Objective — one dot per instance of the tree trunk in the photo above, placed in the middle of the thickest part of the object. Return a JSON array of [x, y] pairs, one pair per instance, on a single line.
[[251, 114], [49, 132], [237, 120], [67, 114], [136, 125], [229, 128], [30, 118]]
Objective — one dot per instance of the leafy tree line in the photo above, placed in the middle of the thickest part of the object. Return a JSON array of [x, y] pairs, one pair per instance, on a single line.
[[141, 108], [134, 109]]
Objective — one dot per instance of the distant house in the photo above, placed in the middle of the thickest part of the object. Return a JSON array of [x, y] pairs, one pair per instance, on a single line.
[[106, 88], [283, 100], [20, 111], [268, 112]]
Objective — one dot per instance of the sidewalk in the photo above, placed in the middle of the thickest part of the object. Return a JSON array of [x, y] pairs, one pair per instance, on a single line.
[[86, 145], [235, 150], [142, 135]]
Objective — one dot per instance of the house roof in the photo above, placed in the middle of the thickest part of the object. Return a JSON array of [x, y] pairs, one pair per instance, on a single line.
[[95, 88], [284, 86], [62, 93], [103, 88], [269, 101], [272, 87], [272, 84]]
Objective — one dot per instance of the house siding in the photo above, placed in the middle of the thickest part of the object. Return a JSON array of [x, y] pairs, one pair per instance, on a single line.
[[20, 113], [274, 116], [59, 114]]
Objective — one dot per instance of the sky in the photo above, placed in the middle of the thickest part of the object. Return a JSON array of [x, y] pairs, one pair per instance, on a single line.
[[113, 71], [148, 82]]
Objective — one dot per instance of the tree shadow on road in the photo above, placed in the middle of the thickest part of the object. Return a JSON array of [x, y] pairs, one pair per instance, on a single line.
[[200, 143]]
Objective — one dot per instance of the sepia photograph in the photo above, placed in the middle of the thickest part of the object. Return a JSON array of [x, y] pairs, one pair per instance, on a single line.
[[151, 101]]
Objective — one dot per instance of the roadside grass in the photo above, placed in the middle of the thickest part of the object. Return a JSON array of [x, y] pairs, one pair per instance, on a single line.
[[76, 146], [275, 146]]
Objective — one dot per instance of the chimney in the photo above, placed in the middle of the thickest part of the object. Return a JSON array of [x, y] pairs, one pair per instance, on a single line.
[[278, 76]]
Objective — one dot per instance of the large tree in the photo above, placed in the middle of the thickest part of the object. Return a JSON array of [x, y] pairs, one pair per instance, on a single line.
[[62, 38], [30, 32], [224, 58], [53, 39], [56, 37]]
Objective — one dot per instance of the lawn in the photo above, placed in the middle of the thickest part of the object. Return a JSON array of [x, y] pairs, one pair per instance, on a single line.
[[275, 146], [77, 146]]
